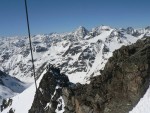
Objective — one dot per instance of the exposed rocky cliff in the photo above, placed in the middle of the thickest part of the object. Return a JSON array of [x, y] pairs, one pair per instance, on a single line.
[[122, 83], [48, 96]]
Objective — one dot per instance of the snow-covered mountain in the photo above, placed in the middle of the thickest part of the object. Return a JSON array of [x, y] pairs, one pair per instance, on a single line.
[[125, 79], [80, 54], [75, 53], [10, 86]]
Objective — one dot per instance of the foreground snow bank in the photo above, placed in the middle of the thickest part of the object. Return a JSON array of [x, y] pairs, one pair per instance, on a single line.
[[22, 102], [144, 104]]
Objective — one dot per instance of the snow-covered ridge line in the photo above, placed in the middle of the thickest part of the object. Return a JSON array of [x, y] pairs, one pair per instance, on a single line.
[[74, 53], [15, 52], [79, 54]]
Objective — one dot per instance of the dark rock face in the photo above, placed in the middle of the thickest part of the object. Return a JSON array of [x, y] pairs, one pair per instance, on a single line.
[[132, 31], [118, 89], [147, 28], [2, 74], [5, 56], [5, 104], [40, 49], [81, 32], [11, 111], [123, 82], [48, 95]]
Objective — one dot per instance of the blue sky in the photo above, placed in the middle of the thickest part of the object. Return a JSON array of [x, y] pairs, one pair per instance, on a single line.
[[48, 16]]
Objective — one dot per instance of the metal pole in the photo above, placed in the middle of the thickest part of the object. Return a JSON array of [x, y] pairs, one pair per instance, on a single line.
[[27, 18]]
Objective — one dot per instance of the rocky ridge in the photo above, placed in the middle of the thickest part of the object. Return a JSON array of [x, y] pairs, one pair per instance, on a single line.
[[120, 86], [48, 97]]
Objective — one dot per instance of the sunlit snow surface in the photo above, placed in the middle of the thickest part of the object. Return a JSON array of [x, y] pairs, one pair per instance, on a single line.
[[143, 105], [22, 102], [10, 86]]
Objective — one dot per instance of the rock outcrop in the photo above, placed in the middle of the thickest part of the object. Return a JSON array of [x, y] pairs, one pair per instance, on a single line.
[[6, 103], [118, 89], [48, 95]]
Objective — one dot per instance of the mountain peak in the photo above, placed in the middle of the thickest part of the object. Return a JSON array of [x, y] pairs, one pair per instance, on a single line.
[[103, 27], [81, 28], [130, 30], [81, 32], [117, 81], [147, 28]]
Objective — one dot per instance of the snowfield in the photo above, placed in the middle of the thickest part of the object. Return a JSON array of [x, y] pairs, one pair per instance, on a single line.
[[22, 102], [80, 55], [143, 105], [10, 86]]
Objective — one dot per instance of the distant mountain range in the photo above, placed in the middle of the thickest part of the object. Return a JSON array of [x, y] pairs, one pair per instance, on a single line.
[[80, 54], [74, 52]]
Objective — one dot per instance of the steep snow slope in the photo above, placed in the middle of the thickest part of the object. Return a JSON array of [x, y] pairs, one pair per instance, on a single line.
[[22, 102], [10, 86], [143, 106]]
